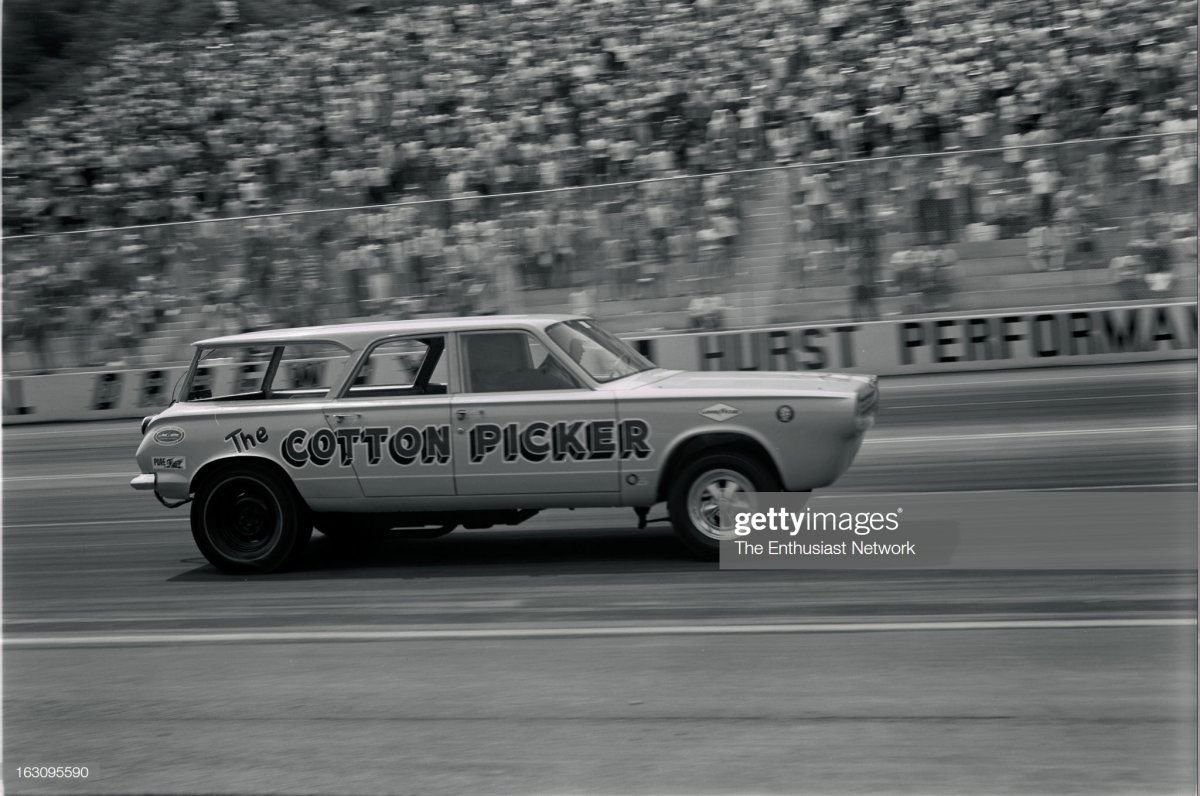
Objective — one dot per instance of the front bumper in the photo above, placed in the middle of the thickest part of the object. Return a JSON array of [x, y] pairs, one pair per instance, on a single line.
[[168, 485], [145, 482], [164, 489]]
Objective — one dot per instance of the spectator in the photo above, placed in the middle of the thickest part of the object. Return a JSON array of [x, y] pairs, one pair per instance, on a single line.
[[1046, 252], [711, 251], [910, 282], [1043, 184], [1156, 256], [123, 336], [1077, 218], [485, 100], [939, 279], [582, 301], [889, 281], [706, 312], [816, 201], [1128, 273], [1179, 175], [1150, 166], [945, 188], [36, 327], [862, 291]]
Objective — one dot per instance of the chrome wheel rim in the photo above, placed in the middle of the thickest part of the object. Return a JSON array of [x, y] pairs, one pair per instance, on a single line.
[[713, 500]]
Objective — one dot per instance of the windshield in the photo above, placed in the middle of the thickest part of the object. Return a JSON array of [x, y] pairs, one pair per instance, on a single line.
[[603, 356]]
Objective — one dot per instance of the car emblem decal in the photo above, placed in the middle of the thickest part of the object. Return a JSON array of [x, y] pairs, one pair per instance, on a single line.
[[785, 413], [720, 412], [169, 436]]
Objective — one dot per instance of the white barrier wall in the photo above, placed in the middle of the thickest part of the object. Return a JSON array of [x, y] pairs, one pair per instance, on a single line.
[[892, 347], [992, 341]]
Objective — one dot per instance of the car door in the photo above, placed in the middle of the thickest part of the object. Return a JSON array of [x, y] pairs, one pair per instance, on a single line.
[[392, 424], [525, 423]]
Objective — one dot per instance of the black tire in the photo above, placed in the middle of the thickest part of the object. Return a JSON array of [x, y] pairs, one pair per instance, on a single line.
[[247, 519], [745, 471]]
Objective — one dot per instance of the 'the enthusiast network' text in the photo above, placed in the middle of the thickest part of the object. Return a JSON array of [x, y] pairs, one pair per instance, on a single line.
[[794, 548]]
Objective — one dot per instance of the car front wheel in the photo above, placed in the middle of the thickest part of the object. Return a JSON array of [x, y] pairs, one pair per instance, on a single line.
[[709, 492], [247, 519]]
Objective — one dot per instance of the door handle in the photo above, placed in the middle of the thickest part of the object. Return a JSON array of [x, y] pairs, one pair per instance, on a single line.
[[461, 414], [342, 418]]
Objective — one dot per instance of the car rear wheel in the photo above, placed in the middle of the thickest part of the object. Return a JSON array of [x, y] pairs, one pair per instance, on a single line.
[[707, 494], [247, 519]]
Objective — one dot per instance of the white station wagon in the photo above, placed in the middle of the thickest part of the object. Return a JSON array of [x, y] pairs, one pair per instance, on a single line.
[[419, 427]]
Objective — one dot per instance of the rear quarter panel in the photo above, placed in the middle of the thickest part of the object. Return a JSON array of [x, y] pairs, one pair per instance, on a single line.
[[249, 430]]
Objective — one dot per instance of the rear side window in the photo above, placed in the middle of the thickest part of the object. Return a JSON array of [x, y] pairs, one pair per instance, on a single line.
[[232, 373], [411, 366], [309, 369]]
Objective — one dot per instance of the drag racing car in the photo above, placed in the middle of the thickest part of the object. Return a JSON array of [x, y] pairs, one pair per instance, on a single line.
[[420, 427]]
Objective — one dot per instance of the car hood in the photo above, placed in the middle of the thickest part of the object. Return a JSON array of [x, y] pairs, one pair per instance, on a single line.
[[765, 381]]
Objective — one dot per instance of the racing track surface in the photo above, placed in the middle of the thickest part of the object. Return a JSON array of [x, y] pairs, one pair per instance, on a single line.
[[577, 654]]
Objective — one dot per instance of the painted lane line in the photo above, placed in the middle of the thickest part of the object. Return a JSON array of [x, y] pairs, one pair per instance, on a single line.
[[19, 549], [68, 477], [522, 633], [71, 524], [60, 429], [284, 611], [87, 523], [1027, 434]]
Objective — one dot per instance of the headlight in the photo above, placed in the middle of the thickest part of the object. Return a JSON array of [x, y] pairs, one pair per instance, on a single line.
[[146, 424]]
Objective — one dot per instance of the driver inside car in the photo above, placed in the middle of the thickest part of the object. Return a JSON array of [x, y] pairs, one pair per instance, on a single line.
[[500, 362]]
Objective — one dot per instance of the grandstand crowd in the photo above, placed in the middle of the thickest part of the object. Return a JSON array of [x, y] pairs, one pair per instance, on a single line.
[[476, 102]]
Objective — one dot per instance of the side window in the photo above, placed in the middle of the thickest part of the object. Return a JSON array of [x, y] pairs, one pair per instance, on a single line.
[[230, 373], [511, 361], [309, 369], [412, 366], [239, 373]]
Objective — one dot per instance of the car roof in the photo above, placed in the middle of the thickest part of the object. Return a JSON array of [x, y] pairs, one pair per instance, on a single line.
[[359, 335]]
